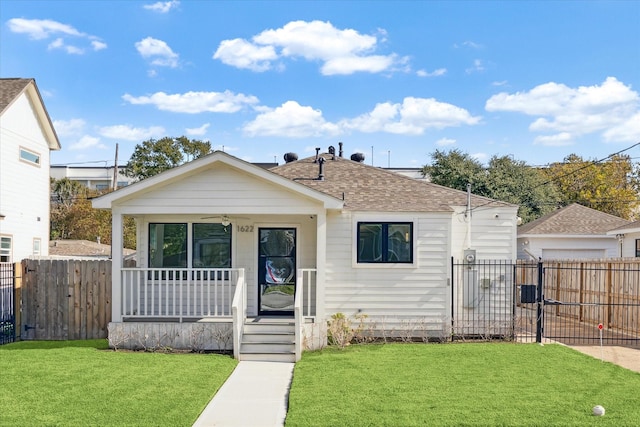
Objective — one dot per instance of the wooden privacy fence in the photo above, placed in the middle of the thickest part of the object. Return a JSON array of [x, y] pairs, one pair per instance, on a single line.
[[65, 299], [590, 291]]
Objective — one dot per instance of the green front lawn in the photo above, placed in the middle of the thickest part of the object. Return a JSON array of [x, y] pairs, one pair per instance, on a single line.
[[81, 383], [470, 384]]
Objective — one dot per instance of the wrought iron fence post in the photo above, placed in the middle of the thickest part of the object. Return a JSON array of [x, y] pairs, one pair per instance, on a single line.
[[539, 303]]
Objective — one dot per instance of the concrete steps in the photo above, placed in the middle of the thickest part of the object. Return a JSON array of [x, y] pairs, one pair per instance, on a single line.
[[268, 340]]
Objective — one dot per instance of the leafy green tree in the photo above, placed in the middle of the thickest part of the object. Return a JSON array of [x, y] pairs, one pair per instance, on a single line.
[[455, 169], [610, 186], [155, 156], [504, 179]]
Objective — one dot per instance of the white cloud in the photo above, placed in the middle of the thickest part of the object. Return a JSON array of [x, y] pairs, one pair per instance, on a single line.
[[158, 52], [98, 45], [202, 130], [443, 142], [243, 54], [162, 6], [628, 131], [340, 51], [60, 44], [609, 108], [291, 120], [478, 67], [435, 73], [87, 142], [41, 29], [69, 127], [195, 102], [130, 133], [468, 43], [561, 139], [412, 117]]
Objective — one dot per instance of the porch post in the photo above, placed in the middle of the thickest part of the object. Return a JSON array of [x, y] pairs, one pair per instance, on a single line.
[[116, 265], [321, 260]]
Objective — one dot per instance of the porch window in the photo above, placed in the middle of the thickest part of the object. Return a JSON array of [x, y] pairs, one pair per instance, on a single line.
[[385, 242], [638, 248], [167, 245], [211, 246]]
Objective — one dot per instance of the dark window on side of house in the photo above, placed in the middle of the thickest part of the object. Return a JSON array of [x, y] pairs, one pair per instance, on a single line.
[[638, 248], [385, 242]]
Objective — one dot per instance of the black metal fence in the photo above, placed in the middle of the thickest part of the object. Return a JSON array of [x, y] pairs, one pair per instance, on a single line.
[[579, 302], [7, 303], [482, 300], [584, 302]]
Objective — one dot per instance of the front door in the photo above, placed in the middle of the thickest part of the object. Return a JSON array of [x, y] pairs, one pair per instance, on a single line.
[[276, 270]]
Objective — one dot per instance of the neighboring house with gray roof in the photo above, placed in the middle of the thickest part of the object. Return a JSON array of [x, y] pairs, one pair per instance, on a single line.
[[222, 240], [572, 232], [628, 237], [27, 136]]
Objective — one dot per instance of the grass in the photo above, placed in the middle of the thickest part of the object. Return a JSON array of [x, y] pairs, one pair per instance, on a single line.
[[81, 383], [496, 384]]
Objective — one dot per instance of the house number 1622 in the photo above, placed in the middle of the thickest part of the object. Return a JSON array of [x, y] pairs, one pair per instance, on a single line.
[[245, 229]]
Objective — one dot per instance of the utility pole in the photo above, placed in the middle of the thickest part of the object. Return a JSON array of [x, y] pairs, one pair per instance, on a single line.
[[115, 171]]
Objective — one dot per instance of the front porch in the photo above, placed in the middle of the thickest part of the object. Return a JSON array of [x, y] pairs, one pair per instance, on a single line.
[[205, 309]]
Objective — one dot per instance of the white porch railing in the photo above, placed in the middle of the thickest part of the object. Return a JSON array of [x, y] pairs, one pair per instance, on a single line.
[[239, 310], [304, 304], [179, 293]]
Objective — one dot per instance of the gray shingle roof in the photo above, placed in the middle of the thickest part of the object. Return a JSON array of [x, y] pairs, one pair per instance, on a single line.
[[574, 219], [368, 188], [10, 89]]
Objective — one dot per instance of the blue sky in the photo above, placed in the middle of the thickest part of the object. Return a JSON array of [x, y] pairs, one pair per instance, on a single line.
[[394, 80]]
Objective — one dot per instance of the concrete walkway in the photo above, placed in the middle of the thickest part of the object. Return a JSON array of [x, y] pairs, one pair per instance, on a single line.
[[256, 395], [623, 356]]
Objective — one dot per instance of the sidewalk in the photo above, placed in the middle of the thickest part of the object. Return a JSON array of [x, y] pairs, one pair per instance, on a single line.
[[623, 356], [256, 395]]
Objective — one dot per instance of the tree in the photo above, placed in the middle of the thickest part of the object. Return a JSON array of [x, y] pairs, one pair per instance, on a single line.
[[611, 186], [455, 169], [155, 156], [504, 179], [73, 217]]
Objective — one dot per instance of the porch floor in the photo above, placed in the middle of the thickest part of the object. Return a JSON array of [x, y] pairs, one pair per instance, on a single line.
[[255, 394]]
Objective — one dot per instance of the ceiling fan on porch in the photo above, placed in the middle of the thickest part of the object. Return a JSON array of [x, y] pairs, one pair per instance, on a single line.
[[225, 220]]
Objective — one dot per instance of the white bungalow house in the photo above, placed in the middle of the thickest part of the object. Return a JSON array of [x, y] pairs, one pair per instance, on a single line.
[[27, 136], [628, 237], [272, 254], [572, 232]]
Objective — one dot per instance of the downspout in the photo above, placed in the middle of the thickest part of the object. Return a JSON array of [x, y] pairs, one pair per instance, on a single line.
[[467, 216]]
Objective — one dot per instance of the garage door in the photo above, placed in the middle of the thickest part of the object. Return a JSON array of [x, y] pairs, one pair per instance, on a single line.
[[573, 254]]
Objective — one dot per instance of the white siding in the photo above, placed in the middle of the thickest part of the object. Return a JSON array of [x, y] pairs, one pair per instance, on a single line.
[[24, 187], [221, 189], [493, 233], [389, 294]]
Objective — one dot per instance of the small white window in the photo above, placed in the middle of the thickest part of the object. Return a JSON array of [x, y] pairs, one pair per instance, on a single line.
[[29, 156], [5, 249], [36, 246]]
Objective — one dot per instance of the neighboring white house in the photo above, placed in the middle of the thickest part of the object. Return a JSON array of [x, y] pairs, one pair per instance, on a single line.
[[573, 232], [628, 237], [26, 138], [94, 177], [225, 242]]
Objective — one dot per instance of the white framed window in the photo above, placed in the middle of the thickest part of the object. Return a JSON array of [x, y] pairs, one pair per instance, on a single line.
[[385, 243], [5, 248], [37, 242], [29, 156]]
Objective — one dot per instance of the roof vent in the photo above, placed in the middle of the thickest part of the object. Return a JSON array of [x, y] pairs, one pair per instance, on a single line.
[[332, 151], [290, 157], [357, 157], [340, 145], [317, 154]]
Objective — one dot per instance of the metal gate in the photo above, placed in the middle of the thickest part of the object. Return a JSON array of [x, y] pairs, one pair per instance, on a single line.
[[578, 302], [7, 303]]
